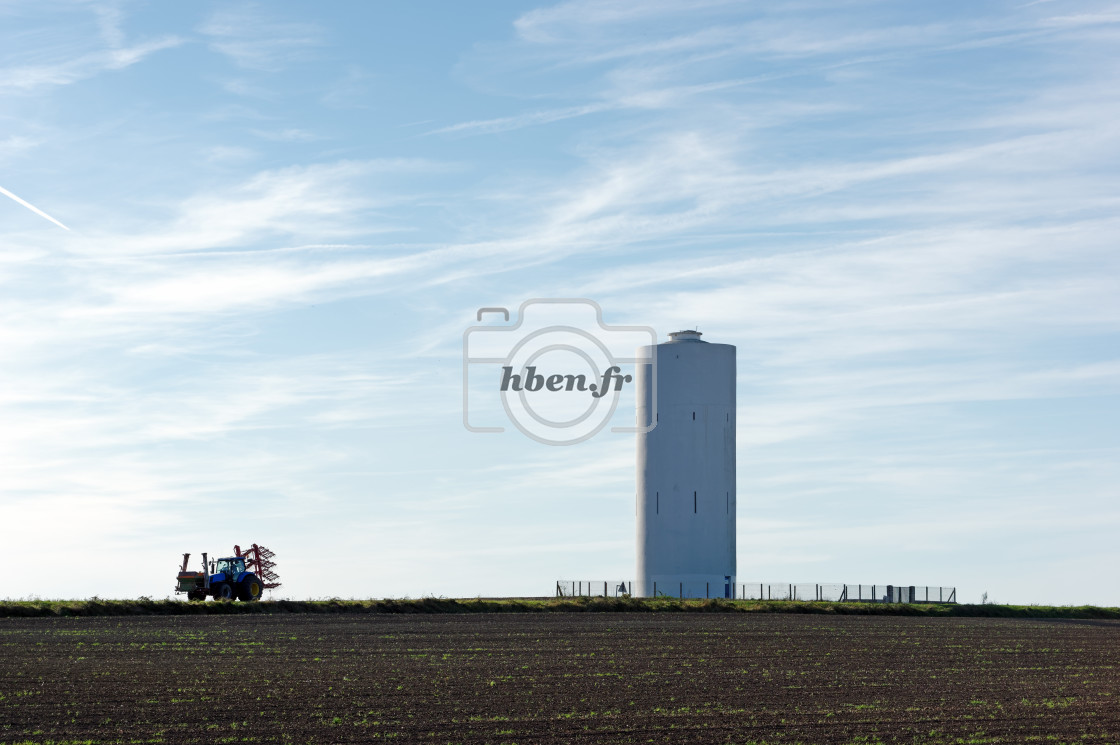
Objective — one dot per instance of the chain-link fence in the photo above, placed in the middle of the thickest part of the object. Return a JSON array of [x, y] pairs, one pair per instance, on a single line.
[[608, 588], [835, 591], [845, 593]]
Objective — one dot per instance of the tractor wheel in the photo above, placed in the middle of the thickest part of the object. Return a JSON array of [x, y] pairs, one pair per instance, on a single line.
[[249, 589], [196, 595], [223, 591]]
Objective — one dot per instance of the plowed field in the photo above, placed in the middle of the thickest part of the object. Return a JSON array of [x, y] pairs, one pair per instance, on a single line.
[[558, 678]]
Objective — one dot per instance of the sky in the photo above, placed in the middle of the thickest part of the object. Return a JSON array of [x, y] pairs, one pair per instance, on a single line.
[[240, 245]]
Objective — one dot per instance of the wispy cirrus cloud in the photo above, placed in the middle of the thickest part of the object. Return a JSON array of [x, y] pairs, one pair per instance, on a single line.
[[634, 71], [316, 203], [254, 38], [291, 134], [17, 145], [28, 78], [507, 123], [577, 21]]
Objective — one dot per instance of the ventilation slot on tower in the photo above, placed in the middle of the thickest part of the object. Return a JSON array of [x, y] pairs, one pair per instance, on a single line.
[[694, 502], [657, 507]]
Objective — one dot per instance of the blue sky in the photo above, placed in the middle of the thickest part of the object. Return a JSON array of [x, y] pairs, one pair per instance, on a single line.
[[280, 218]]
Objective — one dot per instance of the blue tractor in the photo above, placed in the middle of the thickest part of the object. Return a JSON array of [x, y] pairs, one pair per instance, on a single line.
[[224, 579]]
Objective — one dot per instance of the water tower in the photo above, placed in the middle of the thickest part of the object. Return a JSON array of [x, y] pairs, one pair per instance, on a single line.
[[686, 470]]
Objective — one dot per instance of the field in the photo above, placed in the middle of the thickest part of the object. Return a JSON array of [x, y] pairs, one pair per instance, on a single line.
[[558, 677]]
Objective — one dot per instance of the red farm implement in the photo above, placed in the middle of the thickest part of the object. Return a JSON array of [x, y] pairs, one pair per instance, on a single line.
[[243, 576]]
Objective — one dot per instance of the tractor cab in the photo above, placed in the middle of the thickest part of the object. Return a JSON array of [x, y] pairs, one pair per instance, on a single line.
[[231, 567]]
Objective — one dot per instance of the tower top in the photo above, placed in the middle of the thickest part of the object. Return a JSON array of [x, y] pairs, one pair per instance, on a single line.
[[687, 335]]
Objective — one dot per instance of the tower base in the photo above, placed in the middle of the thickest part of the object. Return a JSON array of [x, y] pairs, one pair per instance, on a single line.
[[686, 586]]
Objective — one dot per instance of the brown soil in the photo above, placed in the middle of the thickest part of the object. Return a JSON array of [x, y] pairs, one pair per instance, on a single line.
[[558, 678]]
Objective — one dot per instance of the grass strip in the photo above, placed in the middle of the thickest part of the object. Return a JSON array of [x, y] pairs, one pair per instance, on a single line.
[[148, 607]]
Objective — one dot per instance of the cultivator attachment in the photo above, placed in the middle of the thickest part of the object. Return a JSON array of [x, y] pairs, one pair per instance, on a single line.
[[243, 576], [259, 560]]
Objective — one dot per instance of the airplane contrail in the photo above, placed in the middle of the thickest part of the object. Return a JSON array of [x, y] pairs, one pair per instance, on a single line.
[[32, 207]]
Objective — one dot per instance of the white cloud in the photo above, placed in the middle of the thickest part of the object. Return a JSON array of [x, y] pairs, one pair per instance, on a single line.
[[507, 123], [573, 21], [291, 134], [17, 145], [254, 39], [31, 78]]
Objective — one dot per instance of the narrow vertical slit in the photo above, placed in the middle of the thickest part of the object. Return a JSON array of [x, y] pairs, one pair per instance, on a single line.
[[657, 508], [694, 502]]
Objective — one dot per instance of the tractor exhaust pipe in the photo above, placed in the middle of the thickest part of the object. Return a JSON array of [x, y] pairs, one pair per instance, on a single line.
[[205, 572]]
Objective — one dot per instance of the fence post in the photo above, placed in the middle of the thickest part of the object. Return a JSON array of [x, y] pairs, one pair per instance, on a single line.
[[874, 594], [655, 589], [707, 591], [604, 589], [680, 591]]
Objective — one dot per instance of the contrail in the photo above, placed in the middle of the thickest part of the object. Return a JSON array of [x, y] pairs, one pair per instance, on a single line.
[[32, 207]]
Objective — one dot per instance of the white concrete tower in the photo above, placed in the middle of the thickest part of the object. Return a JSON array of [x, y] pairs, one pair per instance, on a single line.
[[686, 470]]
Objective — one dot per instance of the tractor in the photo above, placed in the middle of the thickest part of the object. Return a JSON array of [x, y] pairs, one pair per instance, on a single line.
[[243, 576]]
